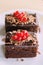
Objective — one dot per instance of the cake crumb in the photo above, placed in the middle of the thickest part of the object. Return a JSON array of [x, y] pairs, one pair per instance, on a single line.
[[19, 59], [38, 52], [22, 59], [3, 39]]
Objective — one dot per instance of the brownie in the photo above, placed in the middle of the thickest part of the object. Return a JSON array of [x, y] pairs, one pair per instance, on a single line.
[[21, 43], [29, 22]]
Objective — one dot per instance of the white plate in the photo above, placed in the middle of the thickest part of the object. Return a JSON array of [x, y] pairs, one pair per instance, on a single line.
[[27, 61]]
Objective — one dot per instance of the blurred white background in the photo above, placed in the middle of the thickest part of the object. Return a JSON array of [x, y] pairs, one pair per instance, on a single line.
[[6, 5]]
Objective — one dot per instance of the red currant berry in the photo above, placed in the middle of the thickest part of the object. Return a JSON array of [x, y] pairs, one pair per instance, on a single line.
[[21, 34], [24, 37], [24, 19], [19, 39], [18, 34], [16, 13], [23, 13], [14, 37]]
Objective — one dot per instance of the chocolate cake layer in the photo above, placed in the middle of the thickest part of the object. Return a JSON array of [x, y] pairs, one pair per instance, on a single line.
[[12, 51]]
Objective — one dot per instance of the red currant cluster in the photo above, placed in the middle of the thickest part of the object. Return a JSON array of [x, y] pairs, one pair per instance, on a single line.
[[20, 35], [21, 16]]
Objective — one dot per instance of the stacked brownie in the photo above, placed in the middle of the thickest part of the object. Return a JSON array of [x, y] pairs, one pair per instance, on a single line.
[[21, 35]]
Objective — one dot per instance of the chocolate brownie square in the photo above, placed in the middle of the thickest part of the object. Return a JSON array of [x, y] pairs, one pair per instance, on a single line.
[[21, 20], [21, 43]]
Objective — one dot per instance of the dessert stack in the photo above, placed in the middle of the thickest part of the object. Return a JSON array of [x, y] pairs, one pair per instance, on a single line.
[[21, 35]]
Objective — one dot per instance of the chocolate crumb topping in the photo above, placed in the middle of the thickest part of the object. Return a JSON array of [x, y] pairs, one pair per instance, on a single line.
[[13, 20], [28, 41]]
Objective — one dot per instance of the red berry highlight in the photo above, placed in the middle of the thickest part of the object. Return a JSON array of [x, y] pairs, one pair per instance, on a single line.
[[21, 16], [20, 36]]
